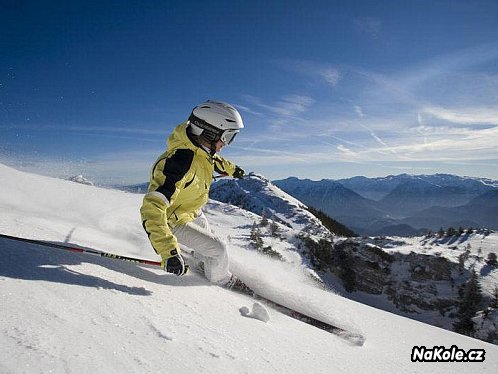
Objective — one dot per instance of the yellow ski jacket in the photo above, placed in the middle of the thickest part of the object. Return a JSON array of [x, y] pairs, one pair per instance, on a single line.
[[178, 189]]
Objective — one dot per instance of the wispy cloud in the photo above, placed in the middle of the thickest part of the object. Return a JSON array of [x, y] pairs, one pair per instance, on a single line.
[[416, 115], [420, 119], [314, 70], [289, 106], [359, 111], [330, 75], [448, 80], [292, 105], [348, 152], [467, 116], [374, 136]]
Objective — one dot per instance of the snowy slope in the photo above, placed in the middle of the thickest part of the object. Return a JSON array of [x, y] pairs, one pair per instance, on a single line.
[[70, 313], [424, 274], [479, 244], [257, 194]]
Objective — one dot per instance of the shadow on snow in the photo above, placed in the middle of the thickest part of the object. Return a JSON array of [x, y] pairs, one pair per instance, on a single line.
[[33, 262]]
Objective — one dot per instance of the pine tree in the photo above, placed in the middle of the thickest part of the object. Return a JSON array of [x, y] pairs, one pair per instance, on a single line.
[[440, 233], [344, 261], [264, 218], [451, 231], [494, 302], [273, 227], [461, 260], [256, 239], [348, 274], [469, 302], [252, 236]]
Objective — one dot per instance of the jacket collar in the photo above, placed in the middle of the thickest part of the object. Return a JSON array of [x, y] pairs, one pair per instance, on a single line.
[[181, 138]]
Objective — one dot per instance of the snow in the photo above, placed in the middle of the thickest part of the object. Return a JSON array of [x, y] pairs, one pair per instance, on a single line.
[[65, 312], [258, 312], [479, 244]]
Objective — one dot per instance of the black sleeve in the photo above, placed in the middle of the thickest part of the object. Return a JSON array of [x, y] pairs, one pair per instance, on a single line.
[[175, 168]]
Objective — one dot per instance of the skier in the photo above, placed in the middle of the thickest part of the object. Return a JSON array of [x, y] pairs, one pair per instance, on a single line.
[[178, 189]]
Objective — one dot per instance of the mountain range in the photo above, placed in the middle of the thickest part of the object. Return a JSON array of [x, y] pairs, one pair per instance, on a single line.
[[393, 205], [401, 204]]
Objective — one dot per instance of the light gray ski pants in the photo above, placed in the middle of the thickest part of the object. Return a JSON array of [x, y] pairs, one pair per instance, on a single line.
[[204, 247]]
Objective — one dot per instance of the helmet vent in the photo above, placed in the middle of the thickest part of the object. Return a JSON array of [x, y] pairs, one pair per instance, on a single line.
[[230, 120]]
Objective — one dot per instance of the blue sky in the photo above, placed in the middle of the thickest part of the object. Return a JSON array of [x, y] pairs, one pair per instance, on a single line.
[[327, 89]]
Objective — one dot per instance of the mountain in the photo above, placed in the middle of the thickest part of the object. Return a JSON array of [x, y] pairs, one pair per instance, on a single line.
[[337, 201], [257, 194], [373, 188], [479, 212], [134, 188], [401, 204], [80, 179], [379, 188], [414, 195]]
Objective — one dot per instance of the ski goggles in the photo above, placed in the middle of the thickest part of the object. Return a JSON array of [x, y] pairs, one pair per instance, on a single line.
[[228, 136]]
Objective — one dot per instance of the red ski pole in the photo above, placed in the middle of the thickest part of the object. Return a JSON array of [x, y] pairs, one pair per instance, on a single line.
[[81, 250]]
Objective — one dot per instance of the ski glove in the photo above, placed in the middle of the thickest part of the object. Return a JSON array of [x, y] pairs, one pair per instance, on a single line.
[[175, 265], [238, 173]]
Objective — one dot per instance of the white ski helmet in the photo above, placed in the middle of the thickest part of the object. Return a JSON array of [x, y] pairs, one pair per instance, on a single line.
[[215, 120]]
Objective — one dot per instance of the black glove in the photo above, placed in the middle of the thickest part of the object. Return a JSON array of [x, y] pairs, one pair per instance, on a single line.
[[175, 265], [238, 173]]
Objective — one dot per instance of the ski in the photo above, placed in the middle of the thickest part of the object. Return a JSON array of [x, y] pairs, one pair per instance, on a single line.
[[352, 338]]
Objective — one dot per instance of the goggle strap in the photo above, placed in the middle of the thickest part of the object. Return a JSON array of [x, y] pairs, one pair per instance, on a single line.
[[211, 133]]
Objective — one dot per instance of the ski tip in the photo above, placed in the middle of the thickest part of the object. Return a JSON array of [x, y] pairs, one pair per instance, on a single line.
[[352, 338]]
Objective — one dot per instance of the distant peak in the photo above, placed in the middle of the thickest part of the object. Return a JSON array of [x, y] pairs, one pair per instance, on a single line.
[[81, 179]]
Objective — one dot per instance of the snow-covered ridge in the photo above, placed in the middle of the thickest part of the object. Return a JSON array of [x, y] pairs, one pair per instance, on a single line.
[[257, 194], [81, 179]]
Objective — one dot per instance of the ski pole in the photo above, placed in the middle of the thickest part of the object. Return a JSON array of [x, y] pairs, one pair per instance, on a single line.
[[81, 250]]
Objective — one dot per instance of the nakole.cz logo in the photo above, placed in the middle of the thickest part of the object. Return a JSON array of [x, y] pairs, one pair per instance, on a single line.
[[442, 354]]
